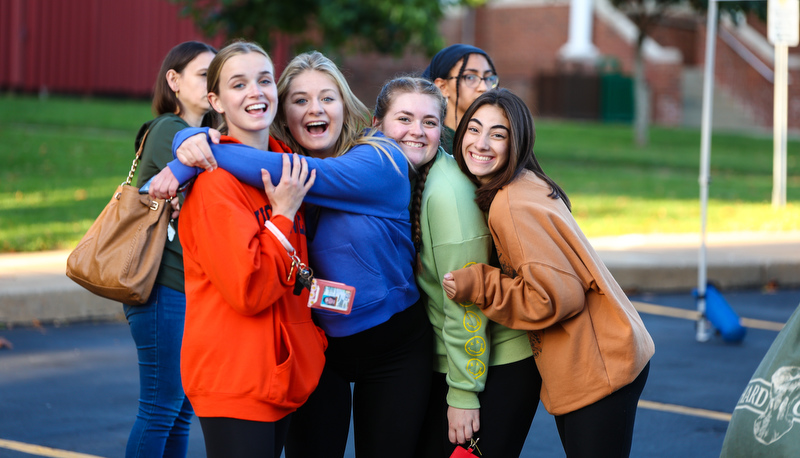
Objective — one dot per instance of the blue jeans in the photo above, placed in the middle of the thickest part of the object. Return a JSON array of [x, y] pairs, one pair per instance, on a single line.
[[165, 414]]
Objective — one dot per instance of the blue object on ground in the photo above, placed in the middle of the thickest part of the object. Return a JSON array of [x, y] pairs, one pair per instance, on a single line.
[[722, 316]]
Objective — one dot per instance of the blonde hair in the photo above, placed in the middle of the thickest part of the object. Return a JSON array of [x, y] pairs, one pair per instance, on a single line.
[[356, 114], [215, 67]]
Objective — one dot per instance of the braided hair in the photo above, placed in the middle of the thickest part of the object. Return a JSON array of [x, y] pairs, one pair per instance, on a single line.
[[446, 59], [416, 208], [405, 85]]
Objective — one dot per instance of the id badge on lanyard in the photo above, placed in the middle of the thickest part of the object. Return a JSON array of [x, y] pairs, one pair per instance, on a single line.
[[323, 294]]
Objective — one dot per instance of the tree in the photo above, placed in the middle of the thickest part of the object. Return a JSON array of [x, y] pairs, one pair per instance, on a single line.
[[646, 14], [386, 26]]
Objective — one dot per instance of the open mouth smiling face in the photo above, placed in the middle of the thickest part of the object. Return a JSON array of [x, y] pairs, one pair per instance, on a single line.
[[412, 120], [485, 145], [256, 108], [317, 127], [248, 97], [315, 112]]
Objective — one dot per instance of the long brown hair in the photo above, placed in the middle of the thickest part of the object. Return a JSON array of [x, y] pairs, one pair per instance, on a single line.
[[522, 136], [164, 100]]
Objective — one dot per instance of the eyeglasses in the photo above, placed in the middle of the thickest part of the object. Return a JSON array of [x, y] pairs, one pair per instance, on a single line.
[[472, 81]]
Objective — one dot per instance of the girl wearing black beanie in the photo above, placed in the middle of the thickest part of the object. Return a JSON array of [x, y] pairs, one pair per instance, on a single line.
[[462, 72]]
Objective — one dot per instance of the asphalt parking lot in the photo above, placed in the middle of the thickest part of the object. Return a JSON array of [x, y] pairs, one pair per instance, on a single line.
[[70, 391]]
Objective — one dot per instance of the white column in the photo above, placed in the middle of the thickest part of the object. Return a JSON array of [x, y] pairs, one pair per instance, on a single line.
[[579, 46], [783, 30], [780, 120]]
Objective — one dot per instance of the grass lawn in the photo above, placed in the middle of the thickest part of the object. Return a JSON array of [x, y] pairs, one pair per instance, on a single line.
[[617, 188], [63, 157]]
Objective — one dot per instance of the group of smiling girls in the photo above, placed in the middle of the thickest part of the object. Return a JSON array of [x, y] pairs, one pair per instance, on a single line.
[[476, 294]]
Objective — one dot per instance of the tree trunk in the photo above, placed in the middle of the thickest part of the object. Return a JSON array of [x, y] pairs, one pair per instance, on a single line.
[[642, 98]]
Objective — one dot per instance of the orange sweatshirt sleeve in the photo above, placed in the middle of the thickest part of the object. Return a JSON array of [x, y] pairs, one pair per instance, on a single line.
[[243, 261]]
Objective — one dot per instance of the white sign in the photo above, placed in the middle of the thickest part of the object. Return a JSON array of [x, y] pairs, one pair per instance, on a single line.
[[783, 22]]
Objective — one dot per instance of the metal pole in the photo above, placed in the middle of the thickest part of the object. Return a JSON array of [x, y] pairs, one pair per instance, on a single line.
[[779, 127], [703, 325]]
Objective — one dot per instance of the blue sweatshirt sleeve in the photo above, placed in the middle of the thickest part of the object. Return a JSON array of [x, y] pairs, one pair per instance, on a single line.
[[184, 173], [362, 181]]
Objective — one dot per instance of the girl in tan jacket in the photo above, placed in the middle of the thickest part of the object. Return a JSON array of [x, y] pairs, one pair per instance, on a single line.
[[590, 344]]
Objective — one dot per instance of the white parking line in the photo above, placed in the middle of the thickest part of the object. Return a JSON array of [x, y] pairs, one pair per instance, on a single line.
[[39, 450], [693, 315], [723, 416], [674, 312]]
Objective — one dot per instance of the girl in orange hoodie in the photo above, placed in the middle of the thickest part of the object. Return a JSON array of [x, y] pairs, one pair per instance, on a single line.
[[251, 353]]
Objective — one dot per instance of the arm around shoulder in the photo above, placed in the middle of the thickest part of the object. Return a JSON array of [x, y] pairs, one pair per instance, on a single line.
[[537, 285]]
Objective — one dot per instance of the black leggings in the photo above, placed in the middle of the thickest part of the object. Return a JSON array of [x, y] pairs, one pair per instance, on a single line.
[[235, 438], [603, 429], [508, 404], [390, 367]]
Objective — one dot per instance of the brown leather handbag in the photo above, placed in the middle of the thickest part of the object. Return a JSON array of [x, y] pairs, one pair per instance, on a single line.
[[119, 256]]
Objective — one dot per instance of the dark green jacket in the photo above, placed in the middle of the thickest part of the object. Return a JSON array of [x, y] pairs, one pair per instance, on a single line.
[[446, 142], [155, 156]]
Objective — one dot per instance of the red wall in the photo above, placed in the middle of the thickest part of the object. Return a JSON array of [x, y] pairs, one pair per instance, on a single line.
[[88, 47], [105, 47]]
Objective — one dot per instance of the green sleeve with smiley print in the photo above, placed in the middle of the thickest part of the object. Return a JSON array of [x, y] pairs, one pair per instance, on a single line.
[[454, 234]]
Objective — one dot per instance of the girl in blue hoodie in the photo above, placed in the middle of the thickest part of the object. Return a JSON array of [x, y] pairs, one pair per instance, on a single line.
[[360, 235]]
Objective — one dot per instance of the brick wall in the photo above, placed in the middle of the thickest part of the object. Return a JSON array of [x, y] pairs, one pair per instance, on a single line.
[[524, 42], [366, 73], [743, 82], [665, 89], [733, 74], [682, 33]]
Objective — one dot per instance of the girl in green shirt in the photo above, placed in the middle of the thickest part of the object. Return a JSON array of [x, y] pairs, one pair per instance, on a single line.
[[449, 231]]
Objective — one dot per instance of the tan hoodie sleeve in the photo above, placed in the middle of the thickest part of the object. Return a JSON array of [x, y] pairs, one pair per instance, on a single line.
[[542, 278]]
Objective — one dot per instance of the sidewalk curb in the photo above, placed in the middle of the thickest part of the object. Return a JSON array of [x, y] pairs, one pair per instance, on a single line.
[[57, 307], [35, 289]]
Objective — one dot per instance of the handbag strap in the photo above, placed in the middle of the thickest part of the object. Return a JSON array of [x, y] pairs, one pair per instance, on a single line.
[[136, 159]]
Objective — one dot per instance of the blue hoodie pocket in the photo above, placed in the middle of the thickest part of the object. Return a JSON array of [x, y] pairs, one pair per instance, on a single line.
[[344, 265]]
